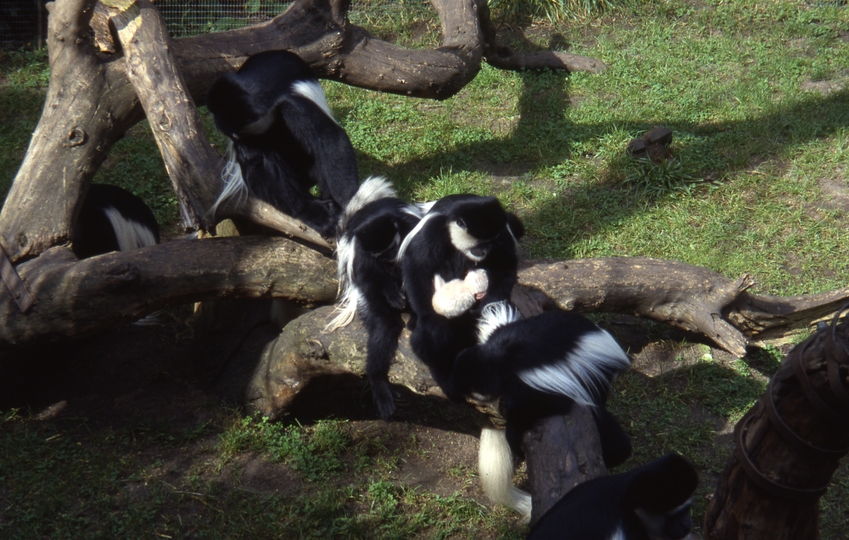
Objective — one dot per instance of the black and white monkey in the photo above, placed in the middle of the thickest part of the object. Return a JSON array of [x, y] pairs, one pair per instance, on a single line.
[[651, 502], [465, 239], [371, 230], [284, 140], [537, 367], [113, 219]]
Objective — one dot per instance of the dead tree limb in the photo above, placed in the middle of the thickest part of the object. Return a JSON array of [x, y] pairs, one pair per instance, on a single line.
[[78, 298], [669, 292], [689, 297], [561, 452], [787, 446]]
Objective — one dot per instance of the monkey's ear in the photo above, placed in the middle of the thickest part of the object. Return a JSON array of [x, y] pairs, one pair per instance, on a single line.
[[662, 485], [517, 228]]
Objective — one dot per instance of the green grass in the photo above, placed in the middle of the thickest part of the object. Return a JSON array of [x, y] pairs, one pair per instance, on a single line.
[[77, 481], [757, 96]]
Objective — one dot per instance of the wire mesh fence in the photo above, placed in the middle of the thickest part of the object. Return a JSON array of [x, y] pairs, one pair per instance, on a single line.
[[23, 23], [192, 17]]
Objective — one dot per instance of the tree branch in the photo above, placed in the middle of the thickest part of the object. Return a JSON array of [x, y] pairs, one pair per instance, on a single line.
[[689, 297], [78, 298]]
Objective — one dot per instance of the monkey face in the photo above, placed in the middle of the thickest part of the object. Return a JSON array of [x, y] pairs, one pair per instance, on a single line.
[[474, 224]]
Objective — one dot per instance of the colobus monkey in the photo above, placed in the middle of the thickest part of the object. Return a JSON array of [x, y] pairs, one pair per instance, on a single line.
[[370, 232], [537, 367], [459, 235], [113, 219], [651, 502], [284, 140]]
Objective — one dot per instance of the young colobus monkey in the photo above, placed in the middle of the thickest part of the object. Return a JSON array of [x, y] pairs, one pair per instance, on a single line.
[[651, 502], [537, 367], [370, 232], [113, 219], [284, 140], [459, 235]]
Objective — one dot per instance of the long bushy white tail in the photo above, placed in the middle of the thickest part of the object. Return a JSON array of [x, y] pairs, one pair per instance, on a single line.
[[495, 466]]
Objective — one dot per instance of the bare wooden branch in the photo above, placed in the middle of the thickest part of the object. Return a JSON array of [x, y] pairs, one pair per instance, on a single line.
[[689, 297], [193, 165], [189, 159], [76, 298]]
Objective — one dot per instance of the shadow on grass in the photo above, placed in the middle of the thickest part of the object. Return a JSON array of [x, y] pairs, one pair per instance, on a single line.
[[704, 153]]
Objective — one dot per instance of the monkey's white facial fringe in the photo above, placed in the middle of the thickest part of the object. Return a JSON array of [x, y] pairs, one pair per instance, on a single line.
[[494, 316], [513, 236], [583, 372], [313, 91], [348, 293], [618, 534], [655, 523], [234, 184], [464, 242], [495, 467]]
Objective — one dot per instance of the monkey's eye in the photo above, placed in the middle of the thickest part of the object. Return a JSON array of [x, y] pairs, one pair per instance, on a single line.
[[461, 223]]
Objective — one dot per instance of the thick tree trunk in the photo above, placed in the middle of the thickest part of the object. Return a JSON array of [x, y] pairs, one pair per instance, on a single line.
[[635, 286], [787, 447]]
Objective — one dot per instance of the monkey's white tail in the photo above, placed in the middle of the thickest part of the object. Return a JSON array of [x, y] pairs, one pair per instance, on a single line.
[[495, 466]]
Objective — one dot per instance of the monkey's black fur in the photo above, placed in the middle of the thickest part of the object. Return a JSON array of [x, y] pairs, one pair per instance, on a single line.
[[285, 139], [113, 219], [368, 247], [651, 502], [459, 233], [539, 367]]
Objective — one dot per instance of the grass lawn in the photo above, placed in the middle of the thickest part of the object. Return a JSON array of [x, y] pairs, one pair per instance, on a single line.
[[757, 97]]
